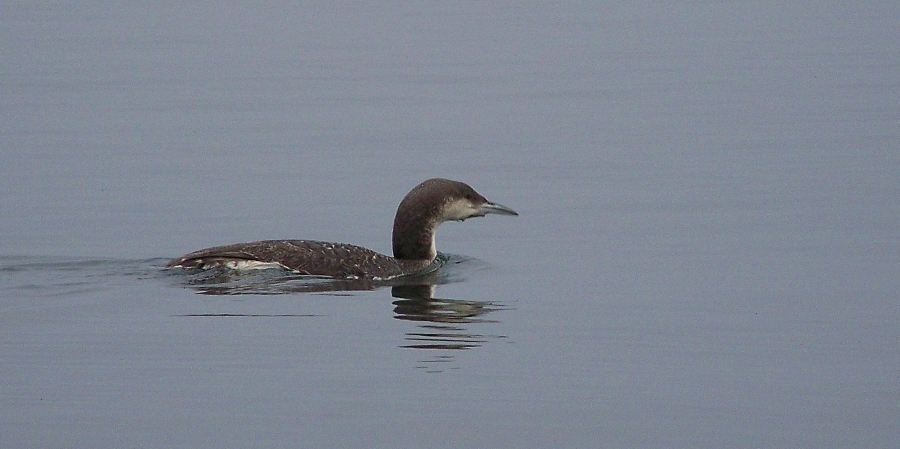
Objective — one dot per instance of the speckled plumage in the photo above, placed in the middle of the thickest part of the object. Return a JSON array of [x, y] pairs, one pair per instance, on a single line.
[[424, 208], [305, 257]]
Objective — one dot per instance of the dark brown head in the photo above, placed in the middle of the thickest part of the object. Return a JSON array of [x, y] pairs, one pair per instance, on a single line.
[[428, 205]]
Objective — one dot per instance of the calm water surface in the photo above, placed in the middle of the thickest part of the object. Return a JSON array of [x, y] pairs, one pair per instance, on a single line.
[[707, 253]]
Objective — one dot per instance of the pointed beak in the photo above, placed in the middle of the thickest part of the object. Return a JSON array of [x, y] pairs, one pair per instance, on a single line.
[[494, 208]]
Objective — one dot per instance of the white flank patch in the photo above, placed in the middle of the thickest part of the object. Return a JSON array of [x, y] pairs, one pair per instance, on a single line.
[[252, 265]]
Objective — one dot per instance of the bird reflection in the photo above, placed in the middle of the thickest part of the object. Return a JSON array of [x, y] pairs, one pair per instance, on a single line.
[[443, 323], [444, 319], [225, 281]]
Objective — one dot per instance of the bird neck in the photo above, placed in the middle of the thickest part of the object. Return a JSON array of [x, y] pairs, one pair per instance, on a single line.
[[413, 237]]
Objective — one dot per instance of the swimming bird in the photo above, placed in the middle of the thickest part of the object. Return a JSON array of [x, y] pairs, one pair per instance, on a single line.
[[425, 207]]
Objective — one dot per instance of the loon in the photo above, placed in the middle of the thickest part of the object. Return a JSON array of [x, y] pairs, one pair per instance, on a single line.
[[426, 206]]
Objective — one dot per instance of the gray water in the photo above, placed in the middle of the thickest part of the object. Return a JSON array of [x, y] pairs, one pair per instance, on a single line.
[[707, 252]]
